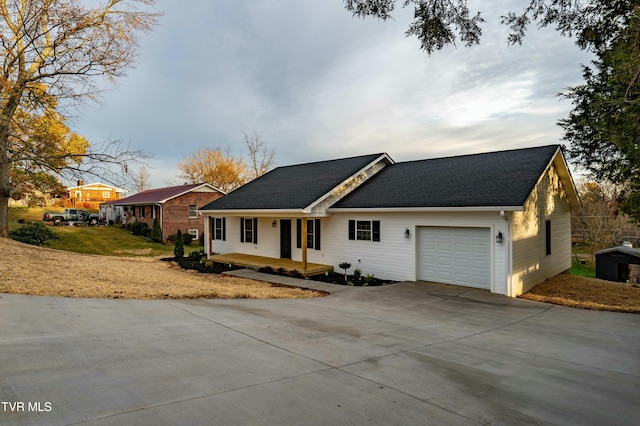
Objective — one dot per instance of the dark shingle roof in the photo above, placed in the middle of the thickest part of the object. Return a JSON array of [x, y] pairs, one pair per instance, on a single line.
[[292, 187], [504, 178], [156, 195]]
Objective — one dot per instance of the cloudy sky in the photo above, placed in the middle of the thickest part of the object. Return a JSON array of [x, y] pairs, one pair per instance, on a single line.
[[318, 84]]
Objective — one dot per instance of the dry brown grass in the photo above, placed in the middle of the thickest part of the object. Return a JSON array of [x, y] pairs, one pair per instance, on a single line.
[[587, 293], [26, 269]]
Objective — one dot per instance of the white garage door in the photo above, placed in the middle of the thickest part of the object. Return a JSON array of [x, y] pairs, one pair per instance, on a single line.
[[458, 256]]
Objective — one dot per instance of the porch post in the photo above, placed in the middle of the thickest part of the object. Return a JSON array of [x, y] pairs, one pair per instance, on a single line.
[[304, 244], [208, 235]]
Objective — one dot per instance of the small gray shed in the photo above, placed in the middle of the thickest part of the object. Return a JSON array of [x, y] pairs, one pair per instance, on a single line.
[[612, 264]]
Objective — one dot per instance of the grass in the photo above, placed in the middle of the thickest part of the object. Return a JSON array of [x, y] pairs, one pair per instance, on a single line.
[[580, 269], [103, 240]]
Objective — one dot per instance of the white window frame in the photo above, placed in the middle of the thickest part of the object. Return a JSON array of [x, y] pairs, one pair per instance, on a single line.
[[193, 214], [194, 233]]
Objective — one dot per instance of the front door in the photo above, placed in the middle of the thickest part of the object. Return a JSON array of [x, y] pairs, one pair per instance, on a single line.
[[285, 239]]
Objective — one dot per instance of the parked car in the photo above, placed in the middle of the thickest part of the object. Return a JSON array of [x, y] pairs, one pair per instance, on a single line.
[[627, 244], [71, 215]]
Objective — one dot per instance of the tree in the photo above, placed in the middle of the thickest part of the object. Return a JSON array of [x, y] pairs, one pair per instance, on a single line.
[[142, 181], [156, 232], [261, 157], [59, 50], [603, 128], [178, 247], [598, 223], [213, 166], [436, 22], [439, 23]]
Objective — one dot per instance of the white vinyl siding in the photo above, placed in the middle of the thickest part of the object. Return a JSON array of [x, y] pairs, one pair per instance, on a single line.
[[531, 264]]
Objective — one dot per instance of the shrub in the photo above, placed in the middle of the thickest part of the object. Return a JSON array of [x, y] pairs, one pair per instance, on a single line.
[[178, 248], [357, 274], [369, 278], [156, 232], [196, 254], [345, 266], [37, 234], [208, 264], [140, 228], [186, 239]]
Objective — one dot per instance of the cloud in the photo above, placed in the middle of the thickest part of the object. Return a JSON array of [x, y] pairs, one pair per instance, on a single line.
[[319, 84]]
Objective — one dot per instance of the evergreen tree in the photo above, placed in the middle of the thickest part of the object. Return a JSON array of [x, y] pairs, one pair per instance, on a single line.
[[178, 248], [156, 232]]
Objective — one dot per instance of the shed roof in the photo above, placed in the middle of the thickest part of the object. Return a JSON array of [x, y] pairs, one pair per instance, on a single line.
[[620, 249]]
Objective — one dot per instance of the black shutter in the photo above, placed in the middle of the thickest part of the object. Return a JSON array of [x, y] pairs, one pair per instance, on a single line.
[[299, 233], [375, 230], [224, 229], [242, 230], [317, 234], [352, 229], [255, 230]]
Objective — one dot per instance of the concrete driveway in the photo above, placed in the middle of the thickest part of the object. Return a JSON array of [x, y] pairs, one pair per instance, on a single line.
[[405, 354]]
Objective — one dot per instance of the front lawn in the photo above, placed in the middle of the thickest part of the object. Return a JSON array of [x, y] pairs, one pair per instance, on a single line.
[[103, 240]]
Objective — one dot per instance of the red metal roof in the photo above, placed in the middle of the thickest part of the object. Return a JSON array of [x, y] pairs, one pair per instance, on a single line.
[[158, 195]]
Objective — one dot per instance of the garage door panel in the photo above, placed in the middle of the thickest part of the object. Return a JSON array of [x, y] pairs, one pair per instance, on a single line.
[[455, 255]]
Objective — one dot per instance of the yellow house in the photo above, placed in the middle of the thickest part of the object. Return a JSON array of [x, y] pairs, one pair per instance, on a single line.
[[90, 196]]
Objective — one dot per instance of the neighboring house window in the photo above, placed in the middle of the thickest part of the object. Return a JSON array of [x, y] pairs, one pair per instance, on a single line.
[[192, 211], [548, 237], [141, 212], [193, 233], [249, 230], [106, 194], [219, 228], [364, 230], [78, 195], [313, 233]]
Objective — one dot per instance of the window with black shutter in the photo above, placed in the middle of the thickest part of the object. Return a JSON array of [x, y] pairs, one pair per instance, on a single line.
[[364, 230]]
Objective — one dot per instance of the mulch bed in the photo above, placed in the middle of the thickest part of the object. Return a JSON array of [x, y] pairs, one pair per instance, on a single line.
[[331, 278], [195, 265]]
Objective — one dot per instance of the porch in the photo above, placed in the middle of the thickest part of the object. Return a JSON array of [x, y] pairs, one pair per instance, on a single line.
[[256, 262]]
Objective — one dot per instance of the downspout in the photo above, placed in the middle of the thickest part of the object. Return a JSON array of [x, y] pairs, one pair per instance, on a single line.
[[507, 255]]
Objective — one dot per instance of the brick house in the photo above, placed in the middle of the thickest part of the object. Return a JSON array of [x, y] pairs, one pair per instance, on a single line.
[[175, 208]]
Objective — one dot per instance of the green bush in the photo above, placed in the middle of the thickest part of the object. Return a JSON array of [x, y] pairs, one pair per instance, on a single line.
[[178, 248], [37, 234], [187, 238], [196, 254], [140, 228], [156, 232]]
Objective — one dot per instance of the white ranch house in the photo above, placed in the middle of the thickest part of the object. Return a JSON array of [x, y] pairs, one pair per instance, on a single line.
[[498, 221]]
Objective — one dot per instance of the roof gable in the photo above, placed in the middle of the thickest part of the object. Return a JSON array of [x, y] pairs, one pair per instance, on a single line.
[[294, 187], [496, 179], [161, 195], [97, 187]]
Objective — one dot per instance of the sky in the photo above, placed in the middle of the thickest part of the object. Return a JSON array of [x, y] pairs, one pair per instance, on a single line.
[[319, 84]]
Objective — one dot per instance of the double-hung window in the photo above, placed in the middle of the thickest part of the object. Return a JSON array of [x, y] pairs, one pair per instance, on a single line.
[[313, 233], [364, 230], [249, 230], [219, 228], [192, 211]]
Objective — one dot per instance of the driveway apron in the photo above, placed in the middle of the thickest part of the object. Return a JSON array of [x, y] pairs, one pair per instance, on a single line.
[[404, 354]]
